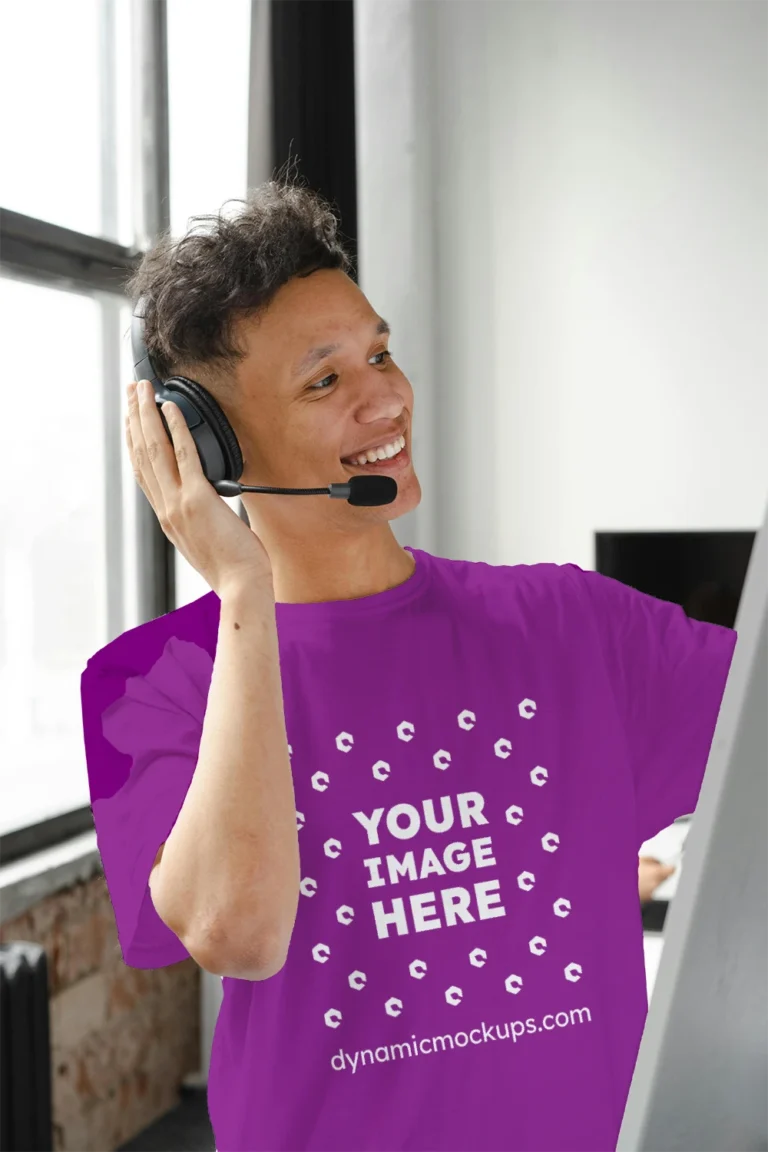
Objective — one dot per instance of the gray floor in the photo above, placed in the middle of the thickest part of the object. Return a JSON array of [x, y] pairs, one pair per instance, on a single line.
[[184, 1129]]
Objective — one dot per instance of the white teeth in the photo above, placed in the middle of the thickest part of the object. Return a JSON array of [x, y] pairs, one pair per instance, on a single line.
[[386, 452]]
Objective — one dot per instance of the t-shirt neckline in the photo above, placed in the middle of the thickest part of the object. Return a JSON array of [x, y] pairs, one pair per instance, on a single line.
[[361, 606]]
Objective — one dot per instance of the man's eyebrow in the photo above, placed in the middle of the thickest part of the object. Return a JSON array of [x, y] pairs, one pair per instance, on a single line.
[[316, 354]]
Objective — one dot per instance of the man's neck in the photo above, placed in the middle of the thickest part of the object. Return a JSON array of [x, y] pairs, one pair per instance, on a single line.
[[313, 572]]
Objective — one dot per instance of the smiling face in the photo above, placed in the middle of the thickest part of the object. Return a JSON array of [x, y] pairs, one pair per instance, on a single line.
[[317, 388]]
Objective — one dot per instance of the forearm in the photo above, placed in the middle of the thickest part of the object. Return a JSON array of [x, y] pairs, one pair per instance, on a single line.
[[228, 881]]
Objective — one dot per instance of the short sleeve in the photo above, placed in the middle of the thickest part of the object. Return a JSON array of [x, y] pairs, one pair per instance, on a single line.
[[668, 673], [142, 731]]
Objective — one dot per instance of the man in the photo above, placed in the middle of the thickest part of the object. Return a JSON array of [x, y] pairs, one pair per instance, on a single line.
[[370, 787]]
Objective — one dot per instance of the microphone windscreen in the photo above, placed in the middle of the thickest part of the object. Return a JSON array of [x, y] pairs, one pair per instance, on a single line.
[[370, 491], [227, 487]]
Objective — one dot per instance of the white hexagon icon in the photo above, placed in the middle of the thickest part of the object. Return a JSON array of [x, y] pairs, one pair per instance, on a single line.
[[332, 848], [417, 969], [381, 770], [573, 972], [441, 759], [320, 781], [321, 952], [513, 984], [344, 741], [453, 995], [357, 980], [478, 957], [300, 820], [467, 719], [550, 842], [562, 906], [526, 881], [527, 709], [514, 814], [393, 1006], [502, 748], [539, 775], [290, 750], [537, 945], [333, 1017], [405, 731], [308, 886], [345, 914]]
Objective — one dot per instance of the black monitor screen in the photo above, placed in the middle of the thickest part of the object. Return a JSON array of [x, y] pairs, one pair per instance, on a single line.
[[704, 572]]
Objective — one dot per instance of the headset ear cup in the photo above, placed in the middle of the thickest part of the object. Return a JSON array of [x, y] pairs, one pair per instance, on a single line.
[[216, 424]]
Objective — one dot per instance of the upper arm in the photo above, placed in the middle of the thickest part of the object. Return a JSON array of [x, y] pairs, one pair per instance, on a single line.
[[142, 732], [668, 673]]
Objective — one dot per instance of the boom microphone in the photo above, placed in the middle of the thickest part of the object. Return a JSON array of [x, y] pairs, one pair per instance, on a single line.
[[362, 491]]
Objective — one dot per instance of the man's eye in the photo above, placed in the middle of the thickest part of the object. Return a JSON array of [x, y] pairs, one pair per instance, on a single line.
[[323, 384]]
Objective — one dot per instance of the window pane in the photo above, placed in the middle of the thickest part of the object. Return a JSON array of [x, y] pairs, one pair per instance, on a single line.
[[66, 142], [216, 112], [208, 122], [52, 545]]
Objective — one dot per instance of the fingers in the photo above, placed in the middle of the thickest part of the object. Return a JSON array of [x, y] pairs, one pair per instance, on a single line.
[[162, 464], [183, 446], [143, 469], [160, 451], [655, 867]]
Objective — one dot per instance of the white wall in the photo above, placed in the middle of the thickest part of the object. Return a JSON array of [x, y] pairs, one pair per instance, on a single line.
[[595, 235], [420, 142], [394, 193]]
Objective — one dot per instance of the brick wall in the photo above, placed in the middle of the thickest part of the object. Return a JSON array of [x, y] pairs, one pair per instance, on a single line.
[[122, 1039]]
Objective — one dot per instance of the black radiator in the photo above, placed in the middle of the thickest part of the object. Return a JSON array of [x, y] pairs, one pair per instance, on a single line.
[[25, 1050]]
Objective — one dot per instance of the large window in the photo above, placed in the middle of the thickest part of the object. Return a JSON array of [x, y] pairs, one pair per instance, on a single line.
[[80, 562], [95, 163]]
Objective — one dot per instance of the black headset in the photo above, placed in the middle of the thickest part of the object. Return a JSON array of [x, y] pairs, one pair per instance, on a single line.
[[214, 437], [217, 445]]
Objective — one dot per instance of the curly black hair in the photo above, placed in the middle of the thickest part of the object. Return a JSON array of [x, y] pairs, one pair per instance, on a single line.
[[227, 268]]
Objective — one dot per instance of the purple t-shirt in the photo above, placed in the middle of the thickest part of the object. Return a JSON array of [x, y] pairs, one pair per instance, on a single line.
[[477, 756]]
